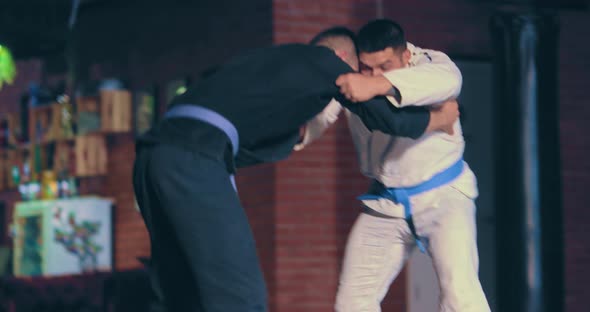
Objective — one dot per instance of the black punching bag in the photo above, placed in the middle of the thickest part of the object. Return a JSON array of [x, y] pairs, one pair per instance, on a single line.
[[528, 178]]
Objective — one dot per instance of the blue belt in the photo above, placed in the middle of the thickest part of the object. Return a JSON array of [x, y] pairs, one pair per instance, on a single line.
[[401, 195], [211, 117]]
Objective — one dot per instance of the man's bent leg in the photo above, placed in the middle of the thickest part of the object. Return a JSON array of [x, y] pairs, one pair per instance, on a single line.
[[376, 251], [212, 230], [169, 271], [453, 247]]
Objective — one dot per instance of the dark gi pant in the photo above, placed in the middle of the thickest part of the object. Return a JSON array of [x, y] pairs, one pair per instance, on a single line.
[[203, 252]]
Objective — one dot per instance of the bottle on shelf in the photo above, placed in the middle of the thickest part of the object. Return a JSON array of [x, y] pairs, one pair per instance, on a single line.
[[48, 185]]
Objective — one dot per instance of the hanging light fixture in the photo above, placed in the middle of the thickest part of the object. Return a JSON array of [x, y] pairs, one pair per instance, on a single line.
[[7, 67]]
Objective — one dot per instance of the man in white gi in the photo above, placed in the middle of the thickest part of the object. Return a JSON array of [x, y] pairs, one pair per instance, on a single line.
[[422, 193]]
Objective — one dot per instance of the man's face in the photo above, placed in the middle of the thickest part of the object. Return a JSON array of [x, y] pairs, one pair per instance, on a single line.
[[379, 62]]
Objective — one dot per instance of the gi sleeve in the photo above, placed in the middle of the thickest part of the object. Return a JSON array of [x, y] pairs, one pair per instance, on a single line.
[[319, 124], [434, 78]]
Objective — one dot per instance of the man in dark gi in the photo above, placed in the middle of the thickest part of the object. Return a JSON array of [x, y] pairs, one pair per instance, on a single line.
[[249, 112]]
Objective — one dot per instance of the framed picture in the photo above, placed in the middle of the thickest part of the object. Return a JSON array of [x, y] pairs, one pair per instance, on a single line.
[[145, 110], [63, 237]]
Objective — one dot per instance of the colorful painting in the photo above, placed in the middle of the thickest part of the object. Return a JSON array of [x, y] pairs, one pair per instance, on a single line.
[[64, 236], [78, 238]]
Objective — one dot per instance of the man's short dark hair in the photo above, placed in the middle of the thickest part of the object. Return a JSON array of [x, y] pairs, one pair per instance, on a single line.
[[334, 32], [380, 34]]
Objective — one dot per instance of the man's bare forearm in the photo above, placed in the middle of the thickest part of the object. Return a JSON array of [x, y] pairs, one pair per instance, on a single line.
[[443, 117], [437, 122]]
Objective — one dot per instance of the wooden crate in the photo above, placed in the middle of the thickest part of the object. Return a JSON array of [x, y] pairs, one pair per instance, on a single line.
[[45, 123], [90, 155], [88, 114], [116, 108]]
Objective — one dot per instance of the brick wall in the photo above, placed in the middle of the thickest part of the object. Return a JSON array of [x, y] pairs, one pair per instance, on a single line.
[[257, 190]]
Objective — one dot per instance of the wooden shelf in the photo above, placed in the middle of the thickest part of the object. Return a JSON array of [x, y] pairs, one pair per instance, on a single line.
[[85, 154]]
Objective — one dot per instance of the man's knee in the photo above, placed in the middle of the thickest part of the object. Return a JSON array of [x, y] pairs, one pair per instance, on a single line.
[[463, 295], [349, 301], [467, 304]]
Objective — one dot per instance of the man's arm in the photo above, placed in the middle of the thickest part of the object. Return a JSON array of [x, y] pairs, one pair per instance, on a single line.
[[378, 113], [434, 78], [412, 122]]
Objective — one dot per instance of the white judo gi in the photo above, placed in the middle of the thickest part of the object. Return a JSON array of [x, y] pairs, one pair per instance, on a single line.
[[444, 217]]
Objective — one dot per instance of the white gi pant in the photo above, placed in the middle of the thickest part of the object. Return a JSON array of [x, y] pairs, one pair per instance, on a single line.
[[378, 248]]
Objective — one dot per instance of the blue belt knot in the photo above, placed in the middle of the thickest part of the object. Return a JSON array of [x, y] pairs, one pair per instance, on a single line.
[[401, 195]]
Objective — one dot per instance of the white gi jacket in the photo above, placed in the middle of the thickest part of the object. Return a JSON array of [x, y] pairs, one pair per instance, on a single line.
[[430, 78]]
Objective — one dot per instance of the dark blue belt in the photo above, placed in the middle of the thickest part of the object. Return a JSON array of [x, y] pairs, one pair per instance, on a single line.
[[211, 117], [401, 195]]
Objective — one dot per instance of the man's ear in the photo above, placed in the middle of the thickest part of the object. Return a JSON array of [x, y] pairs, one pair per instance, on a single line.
[[341, 54], [406, 56]]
